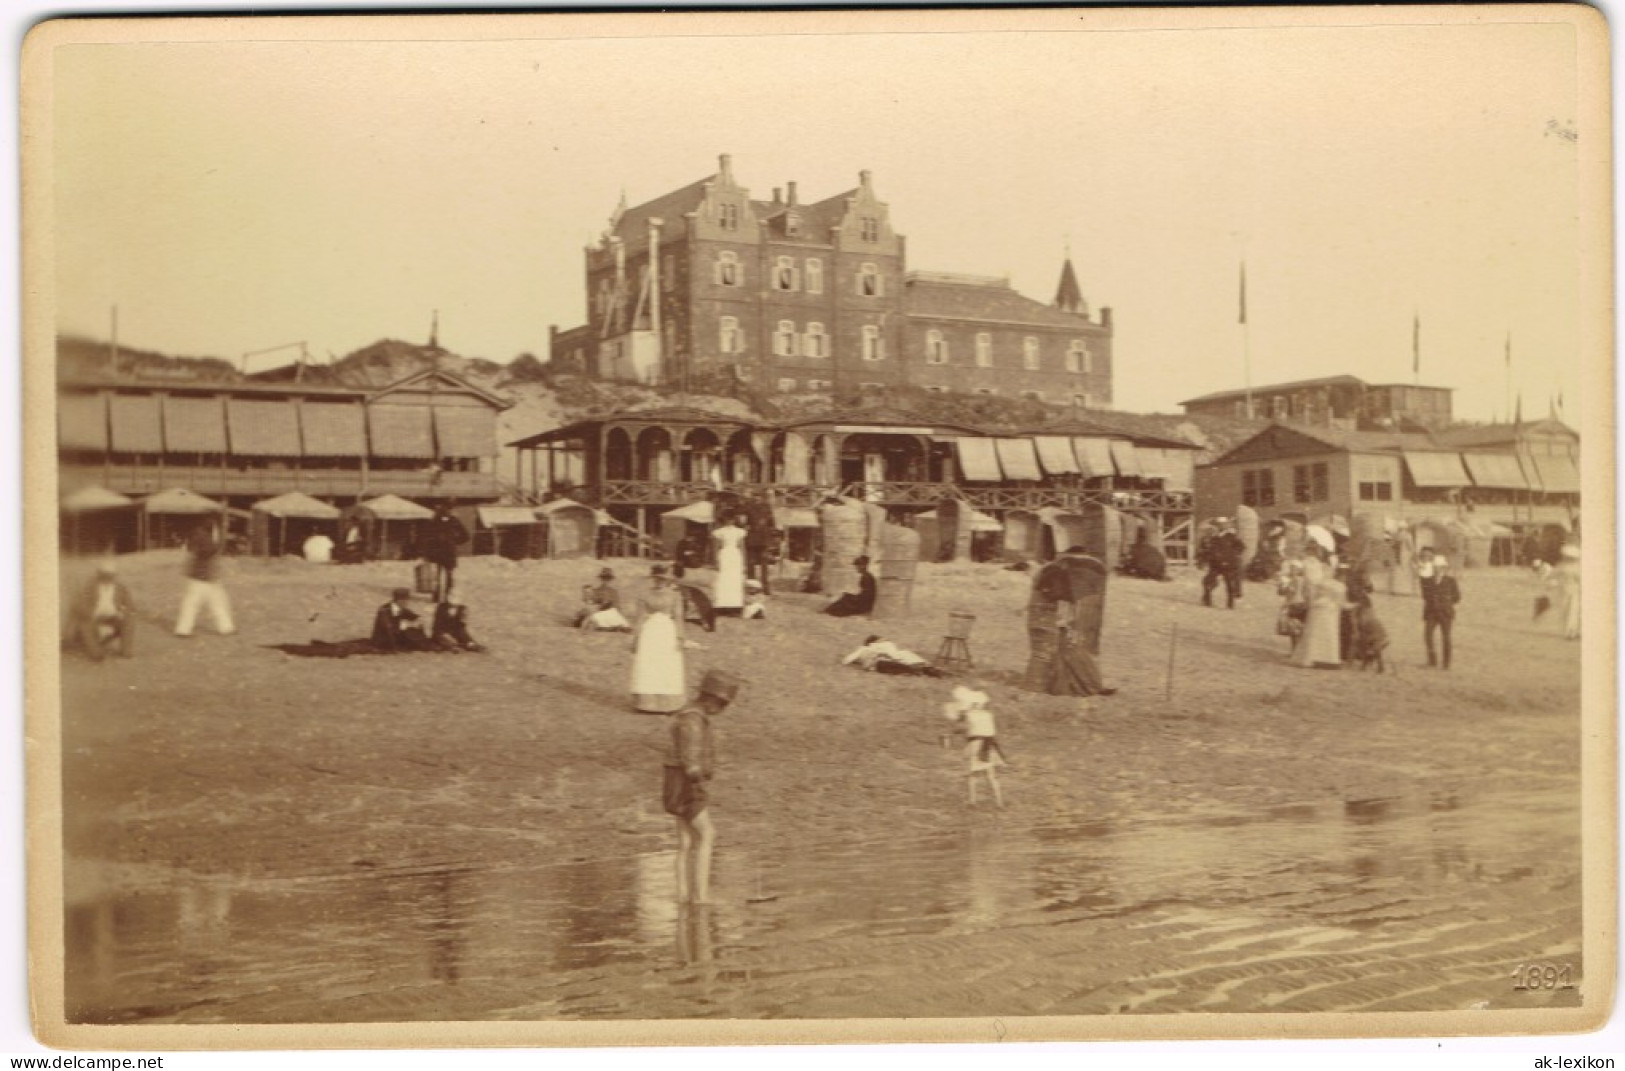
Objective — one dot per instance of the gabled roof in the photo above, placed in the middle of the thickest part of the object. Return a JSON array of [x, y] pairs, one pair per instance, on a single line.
[[633, 226], [1292, 440], [452, 379], [930, 297], [1271, 388]]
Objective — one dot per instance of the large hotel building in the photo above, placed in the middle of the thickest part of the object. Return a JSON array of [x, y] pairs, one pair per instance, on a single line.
[[707, 281]]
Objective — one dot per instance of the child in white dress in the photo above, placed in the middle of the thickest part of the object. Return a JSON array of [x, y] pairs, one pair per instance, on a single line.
[[968, 708]]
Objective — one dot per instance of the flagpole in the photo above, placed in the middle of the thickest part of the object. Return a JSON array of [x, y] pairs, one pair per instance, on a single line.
[[1509, 371], [1246, 344]]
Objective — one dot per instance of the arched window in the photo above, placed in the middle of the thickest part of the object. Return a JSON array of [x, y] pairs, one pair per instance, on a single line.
[[936, 347], [984, 349], [815, 343], [815, 276], [732, 340], [1077, 356], [1029, 353], [784, 339], [785, 275], [874, 347], [869, 281], [729, 272]]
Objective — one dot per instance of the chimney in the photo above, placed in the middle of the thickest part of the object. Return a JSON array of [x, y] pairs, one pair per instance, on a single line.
[[792, 189], [864, 178], [1106, 317], [725, 168], [776, 198]]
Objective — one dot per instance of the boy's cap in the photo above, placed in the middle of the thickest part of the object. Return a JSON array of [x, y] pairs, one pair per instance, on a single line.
[[720, 685]]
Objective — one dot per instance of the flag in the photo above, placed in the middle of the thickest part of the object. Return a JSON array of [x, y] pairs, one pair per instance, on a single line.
[[1416, 344], [1243, 317], [1518, 417]]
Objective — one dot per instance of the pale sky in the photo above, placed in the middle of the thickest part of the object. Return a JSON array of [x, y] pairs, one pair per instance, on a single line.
[[230, 197]]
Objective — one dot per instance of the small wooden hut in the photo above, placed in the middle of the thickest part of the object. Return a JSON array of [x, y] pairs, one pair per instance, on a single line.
[[390, 526], [281, 525], [572, 528], [169, 516]]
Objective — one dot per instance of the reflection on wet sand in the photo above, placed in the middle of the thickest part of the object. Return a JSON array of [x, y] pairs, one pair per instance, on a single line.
[[1123, 916]]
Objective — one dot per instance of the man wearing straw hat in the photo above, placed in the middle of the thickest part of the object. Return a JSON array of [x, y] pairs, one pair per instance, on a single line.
[[102, 615], [690, 764]]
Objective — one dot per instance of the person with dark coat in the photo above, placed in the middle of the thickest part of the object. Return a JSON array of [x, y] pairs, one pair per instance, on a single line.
[[856, 603], [445, 533], [1440, 594], [396, 626], [450, 631], [1222, 553]]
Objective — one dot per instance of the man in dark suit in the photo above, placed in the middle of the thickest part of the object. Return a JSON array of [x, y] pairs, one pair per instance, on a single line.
[[396, 626]]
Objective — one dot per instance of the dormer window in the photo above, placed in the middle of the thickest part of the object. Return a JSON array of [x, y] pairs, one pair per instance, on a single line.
[[729, 217], [792, 226], [869, 228]]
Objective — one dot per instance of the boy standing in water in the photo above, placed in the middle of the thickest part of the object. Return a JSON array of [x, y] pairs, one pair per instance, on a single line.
[[690, 763]]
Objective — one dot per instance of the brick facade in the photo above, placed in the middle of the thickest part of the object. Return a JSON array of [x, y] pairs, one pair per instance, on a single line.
[[818, 297]]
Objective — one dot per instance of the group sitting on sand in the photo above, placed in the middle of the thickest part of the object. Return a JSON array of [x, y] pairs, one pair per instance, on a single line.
[[398, 629]]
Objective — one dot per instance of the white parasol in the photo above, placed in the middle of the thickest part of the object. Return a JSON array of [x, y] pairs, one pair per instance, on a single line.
[[1321, 536]]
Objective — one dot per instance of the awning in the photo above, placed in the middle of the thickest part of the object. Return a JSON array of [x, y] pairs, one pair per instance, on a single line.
[[136, 428], [1017, 458], [395, 508], [506, 516], [1055, 454], [698, 512], [400, 431], [982, 522], [194, 425], [978, 459], [1152, 464], [81, 422], [93, 498], [297, 504], [180, 500], [547, 509], [1094, 456], [795, 517], [262, 428], [1496, 470], [1435, 469], [1557, 474], [465, 432], [1125, 457], [332, 430]]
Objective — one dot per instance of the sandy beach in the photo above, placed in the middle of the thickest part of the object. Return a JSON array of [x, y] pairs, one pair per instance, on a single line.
[[259, 838]]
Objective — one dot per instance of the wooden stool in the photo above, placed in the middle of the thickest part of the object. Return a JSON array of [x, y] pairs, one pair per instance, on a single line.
[[955, 650]]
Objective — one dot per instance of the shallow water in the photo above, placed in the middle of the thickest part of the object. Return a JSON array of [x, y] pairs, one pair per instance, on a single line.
[[1299, 906]]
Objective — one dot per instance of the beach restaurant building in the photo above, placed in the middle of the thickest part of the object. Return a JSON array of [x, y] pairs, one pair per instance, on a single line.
[[638, 465]]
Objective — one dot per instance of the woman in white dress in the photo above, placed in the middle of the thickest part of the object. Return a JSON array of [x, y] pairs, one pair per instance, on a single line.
[[1318, 646], [728, 593], [659, 677]]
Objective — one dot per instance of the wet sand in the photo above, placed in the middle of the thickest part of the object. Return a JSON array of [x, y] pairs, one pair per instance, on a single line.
[[253, 837]]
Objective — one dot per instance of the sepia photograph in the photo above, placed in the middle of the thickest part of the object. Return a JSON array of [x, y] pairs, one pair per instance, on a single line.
[[749, 527]]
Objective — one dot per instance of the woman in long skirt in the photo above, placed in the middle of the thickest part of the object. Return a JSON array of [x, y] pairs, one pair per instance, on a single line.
[[659, 678], [728, 593], [1319, 644]]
